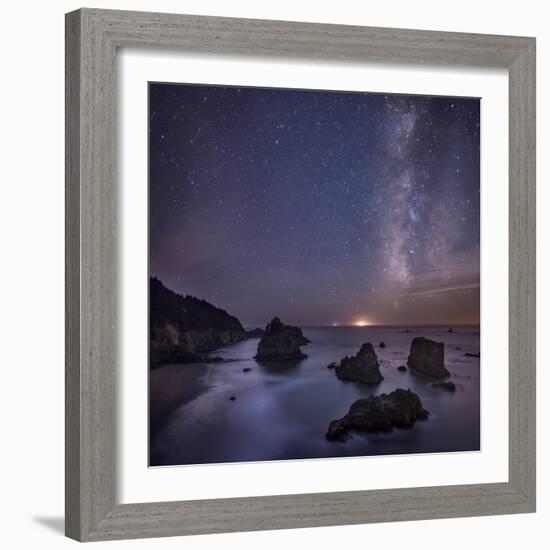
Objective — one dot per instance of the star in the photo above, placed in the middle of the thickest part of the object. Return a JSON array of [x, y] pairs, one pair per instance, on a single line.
[[262, 196]]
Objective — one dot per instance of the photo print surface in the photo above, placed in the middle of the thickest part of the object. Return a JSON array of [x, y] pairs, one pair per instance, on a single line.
[[314, 274]]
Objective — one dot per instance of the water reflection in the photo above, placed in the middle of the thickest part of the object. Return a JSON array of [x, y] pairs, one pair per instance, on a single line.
[[282, 410]]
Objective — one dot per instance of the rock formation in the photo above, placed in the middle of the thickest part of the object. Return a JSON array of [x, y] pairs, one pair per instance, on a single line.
[[427, 357], [182, 328], [281, 342], [362, 367], [215, 359], [446, 385], [401, 409]]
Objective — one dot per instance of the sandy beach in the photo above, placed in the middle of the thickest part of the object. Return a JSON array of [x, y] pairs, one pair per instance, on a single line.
[[171, 387]]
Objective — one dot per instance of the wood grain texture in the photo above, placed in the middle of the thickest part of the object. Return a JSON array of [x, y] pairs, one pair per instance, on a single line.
[[522, 274], [72, 277], [92, 37]]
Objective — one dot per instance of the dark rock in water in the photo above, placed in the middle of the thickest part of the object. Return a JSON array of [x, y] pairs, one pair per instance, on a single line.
[[332, 365], [407, 330], [447, 386], [382, 345], [401, 409], [427, 357], [362, 367], [281, 342], [182, 328], [472, 355], [255, 333], [215, 359], [402, 368], [247, 369], [450, 330], [232, 398], [173, 355], [458, 349]]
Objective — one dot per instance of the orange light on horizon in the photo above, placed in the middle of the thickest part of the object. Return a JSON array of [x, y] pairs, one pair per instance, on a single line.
[[361, 323]]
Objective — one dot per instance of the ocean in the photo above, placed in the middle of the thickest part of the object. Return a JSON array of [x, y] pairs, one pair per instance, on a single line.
[[282, 410]]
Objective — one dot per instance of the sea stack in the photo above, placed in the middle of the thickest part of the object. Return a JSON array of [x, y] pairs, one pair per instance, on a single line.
[[428, 357], [281, 342], [362, 367], [381, 413]]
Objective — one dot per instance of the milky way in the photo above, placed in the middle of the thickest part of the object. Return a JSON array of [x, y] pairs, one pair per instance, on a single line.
[[320, 207]]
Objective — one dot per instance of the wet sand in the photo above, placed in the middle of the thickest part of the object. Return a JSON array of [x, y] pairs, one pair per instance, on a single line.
[[170, 387]]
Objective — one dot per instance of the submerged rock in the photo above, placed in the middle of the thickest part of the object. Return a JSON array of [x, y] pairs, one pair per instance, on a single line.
[[450, 330], [402, 368], [247, 369], [281, 342], [447, 386], [382, 345], [471, 355], [362, 367], [215, 359], [401, 409], [427, 357]]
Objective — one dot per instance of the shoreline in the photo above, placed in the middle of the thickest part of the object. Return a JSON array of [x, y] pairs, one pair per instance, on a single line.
[[170, 387], [305, 398]]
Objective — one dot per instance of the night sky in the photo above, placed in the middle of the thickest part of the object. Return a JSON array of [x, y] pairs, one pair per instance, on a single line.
[[320, 207]]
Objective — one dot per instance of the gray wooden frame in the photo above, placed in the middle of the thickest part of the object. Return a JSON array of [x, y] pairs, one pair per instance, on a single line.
[[92, 38]]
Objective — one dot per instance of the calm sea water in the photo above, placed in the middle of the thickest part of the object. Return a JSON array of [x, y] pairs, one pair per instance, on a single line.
[[282, 410]]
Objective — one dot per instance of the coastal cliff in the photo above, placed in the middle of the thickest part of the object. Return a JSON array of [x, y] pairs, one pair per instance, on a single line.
[[182, 328]]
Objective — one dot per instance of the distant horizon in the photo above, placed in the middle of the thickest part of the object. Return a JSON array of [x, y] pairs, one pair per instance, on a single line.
[[252, 326], [447, 326]]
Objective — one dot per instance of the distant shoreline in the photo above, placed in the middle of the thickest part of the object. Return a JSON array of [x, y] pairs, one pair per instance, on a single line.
[[446, 326]]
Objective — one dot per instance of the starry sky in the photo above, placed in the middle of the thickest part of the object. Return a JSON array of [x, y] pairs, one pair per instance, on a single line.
[[321, 207]]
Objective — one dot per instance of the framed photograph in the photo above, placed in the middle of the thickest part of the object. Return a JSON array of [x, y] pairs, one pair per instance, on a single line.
[[300, 276]]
